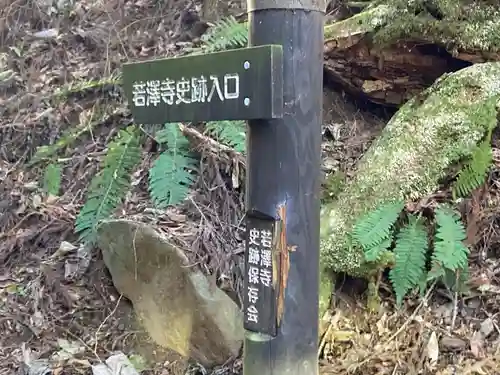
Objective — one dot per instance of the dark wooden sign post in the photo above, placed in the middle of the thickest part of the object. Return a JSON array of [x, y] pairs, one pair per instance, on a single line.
[[276, 85], [283, 158]]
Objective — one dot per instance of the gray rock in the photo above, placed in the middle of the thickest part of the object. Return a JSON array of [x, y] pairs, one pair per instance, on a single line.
[[176, 304]]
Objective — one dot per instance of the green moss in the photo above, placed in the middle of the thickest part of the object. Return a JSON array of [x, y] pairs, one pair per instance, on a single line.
[[429, 134], [366, 21], [333, 185], [448, 22], [325, 290]]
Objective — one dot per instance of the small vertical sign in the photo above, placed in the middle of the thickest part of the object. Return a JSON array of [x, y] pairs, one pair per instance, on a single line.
[[259, 300]]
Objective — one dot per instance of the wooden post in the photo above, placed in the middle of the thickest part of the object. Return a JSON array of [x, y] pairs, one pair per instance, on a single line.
[[276, 85], [283, 187]]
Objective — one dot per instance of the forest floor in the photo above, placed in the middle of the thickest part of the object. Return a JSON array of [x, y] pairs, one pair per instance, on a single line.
[[58, 303]]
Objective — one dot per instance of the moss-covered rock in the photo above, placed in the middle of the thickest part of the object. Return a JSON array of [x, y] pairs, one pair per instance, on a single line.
[[425, 137]]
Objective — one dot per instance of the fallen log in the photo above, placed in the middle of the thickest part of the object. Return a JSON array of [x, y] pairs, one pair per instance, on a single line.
[[391, 52]]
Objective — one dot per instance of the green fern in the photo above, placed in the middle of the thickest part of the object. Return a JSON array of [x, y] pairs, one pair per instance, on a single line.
[[410, 257], [450, 253], [227, 33], [52, 179], [473, 174], [79, 86], [374, 253], [374, 232], [169, 177], [231, 133], [375, 227], [70, 136], [108, 188]]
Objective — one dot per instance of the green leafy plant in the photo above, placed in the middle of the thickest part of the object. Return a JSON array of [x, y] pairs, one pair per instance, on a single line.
[[52, 179], [450, 253], [85, 85], [474, 172], [170, 177], [231, 133], [376, 233], [227, 33], [70, 135], [171, 174], [375, 227], [109, 186], [410, 253]]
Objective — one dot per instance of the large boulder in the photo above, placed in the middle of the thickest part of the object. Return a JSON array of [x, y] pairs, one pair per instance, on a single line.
[[423, 140], [175, 303]]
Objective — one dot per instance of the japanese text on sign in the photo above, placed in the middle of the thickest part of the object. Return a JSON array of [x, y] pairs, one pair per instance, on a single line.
[[259, 269], [195, 90]]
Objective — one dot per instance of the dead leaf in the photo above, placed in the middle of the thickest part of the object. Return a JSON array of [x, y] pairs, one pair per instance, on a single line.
[[174, 216], [31, 186], [487, 327], [47, 34], [342, 336], [64, 248], [67, 349], [21, 209], [36, 201], [235, 176], [432, 350], [477, 345], [51, 199]]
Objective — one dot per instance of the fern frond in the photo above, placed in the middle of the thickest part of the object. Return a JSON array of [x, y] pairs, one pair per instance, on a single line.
[[172, 136], [474, 172], [108, 188], [80, 86], [52, 179], [96, 116], [410, 255], [169, 177], [227, 33], [231, 133], [449, 250], [374, 227], [373, 254]]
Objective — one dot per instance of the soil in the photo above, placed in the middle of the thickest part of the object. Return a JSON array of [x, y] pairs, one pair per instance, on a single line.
[[51, 289]]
